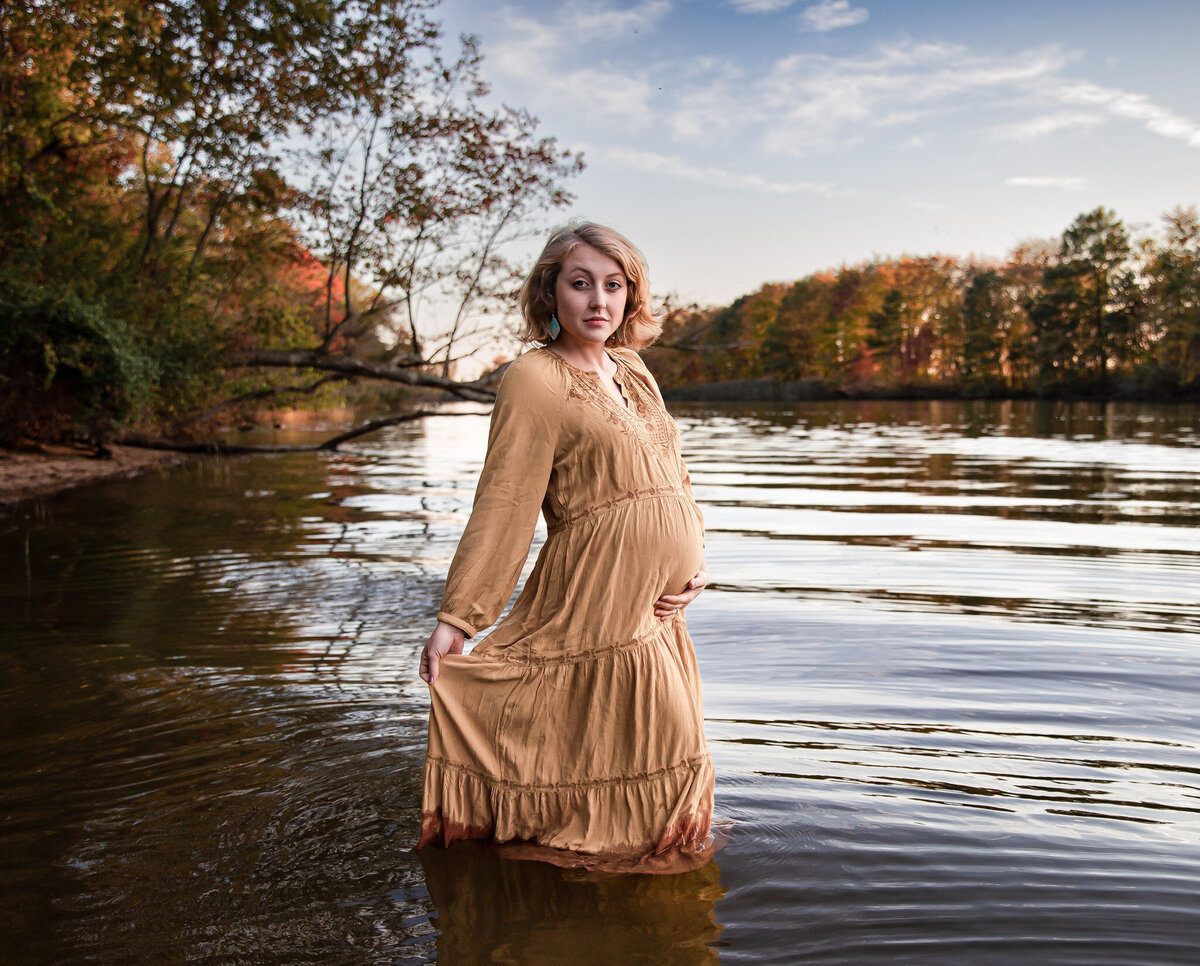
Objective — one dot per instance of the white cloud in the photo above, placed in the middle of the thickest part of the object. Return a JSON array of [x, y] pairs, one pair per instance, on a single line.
[[1045, 124], [674, 167], [581, 62], [594, 23], [929, 205], [1135, 107], [833, 14], [1022, 181], [708, 101], [535, 51], [818, 101], [761, 6]]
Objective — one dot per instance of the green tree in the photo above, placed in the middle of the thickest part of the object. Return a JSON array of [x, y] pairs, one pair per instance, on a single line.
[[1173, 300], [841, 343], [984, 320], [790, 340], [886, 337], [1088, 316]]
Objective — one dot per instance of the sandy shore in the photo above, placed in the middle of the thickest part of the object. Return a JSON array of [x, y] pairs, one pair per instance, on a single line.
[[27, 475]]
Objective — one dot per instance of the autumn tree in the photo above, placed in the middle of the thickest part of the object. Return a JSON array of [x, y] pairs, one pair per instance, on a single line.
[[1077, 314], [182, 166], [1022, 272]]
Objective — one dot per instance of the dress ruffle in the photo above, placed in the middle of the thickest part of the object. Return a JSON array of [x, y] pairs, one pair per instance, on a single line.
[[597, 824]]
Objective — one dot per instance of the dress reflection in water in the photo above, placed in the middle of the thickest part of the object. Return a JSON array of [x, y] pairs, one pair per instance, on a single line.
[[574, 731]]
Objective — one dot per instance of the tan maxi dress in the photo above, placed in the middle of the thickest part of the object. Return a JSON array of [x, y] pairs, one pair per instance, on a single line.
[[575, 730]]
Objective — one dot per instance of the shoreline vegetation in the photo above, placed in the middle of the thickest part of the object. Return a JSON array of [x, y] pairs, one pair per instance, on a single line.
[[1094, 314]]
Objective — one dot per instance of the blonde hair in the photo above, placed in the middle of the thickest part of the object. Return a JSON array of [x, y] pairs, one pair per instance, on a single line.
[[638, 328]]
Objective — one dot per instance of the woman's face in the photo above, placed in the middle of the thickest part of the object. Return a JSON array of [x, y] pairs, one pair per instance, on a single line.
[[589, 296]]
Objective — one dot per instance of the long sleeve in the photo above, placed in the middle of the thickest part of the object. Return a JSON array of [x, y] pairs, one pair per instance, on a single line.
[[520, 457]]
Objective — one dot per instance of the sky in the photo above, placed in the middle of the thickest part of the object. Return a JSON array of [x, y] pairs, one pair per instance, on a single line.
[[739, 142]]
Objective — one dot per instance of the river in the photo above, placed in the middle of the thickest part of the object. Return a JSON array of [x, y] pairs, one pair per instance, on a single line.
[[951, 661]]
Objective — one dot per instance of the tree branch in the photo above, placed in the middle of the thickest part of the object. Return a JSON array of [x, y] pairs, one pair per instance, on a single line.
[[476, 391], [221, 448], [256, 394]]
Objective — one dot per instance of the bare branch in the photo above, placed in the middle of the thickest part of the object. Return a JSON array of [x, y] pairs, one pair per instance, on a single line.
[[219, 447], [256, 395], [476, 391]]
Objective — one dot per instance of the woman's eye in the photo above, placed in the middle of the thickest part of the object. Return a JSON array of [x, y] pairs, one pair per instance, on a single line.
[[614, 286], [579, 283]]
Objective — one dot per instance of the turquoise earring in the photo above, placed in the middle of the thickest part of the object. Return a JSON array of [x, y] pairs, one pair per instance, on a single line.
[[555, 328]]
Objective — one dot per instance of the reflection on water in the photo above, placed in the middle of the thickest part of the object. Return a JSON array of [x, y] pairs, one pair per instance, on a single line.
[[494, 909], [950, 664]]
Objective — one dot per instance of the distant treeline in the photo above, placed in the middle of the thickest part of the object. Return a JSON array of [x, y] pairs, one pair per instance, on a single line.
[[1091, 313]]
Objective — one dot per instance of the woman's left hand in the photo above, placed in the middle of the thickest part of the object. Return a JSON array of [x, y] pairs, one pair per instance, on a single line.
[[668, 605]]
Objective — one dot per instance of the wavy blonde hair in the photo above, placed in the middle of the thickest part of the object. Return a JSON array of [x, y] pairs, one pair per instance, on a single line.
[[638, 329]]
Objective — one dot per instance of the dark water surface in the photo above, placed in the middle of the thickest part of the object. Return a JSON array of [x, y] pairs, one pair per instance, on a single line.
[[951, 665]]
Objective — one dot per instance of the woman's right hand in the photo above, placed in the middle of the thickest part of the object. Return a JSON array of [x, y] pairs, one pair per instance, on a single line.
[[445, 639]]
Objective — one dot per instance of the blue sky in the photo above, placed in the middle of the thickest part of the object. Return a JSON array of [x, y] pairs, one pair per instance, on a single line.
[[745, 141]]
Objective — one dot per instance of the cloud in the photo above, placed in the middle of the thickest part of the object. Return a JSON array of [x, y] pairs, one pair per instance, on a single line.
[[1045, 124], [592, 22], [832, 14], [1021, 181], [1135, 107], [535, 51], [708, 101], [761, 6], [588, 18], [650, 162], [799, 104], [823, 102]]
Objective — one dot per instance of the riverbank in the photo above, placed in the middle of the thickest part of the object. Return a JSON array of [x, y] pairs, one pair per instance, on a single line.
[[28, 475]]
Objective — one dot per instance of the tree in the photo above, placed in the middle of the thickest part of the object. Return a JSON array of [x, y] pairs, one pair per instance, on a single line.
[[1093, 276], [886, 337], [984, 322], [1023, 272], [416, 196], [182, 166], [1173, 300], [789, 343]]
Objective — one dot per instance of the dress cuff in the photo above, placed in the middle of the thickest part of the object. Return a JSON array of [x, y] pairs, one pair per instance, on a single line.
[[458, 622]]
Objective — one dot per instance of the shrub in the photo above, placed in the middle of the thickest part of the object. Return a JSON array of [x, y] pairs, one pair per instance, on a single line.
[[67, 369]]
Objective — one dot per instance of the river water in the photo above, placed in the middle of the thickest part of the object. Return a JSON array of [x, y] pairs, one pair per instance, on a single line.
[[951, 664]]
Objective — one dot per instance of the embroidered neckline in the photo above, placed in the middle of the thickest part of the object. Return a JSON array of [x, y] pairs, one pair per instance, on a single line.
[[618, 376], [643, 417]]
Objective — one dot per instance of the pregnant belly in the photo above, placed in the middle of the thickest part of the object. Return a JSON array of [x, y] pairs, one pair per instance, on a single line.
[[675, 550], [597, 582]]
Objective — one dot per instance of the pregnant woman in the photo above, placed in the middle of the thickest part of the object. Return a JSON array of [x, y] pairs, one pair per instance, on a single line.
[[574, 732]]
